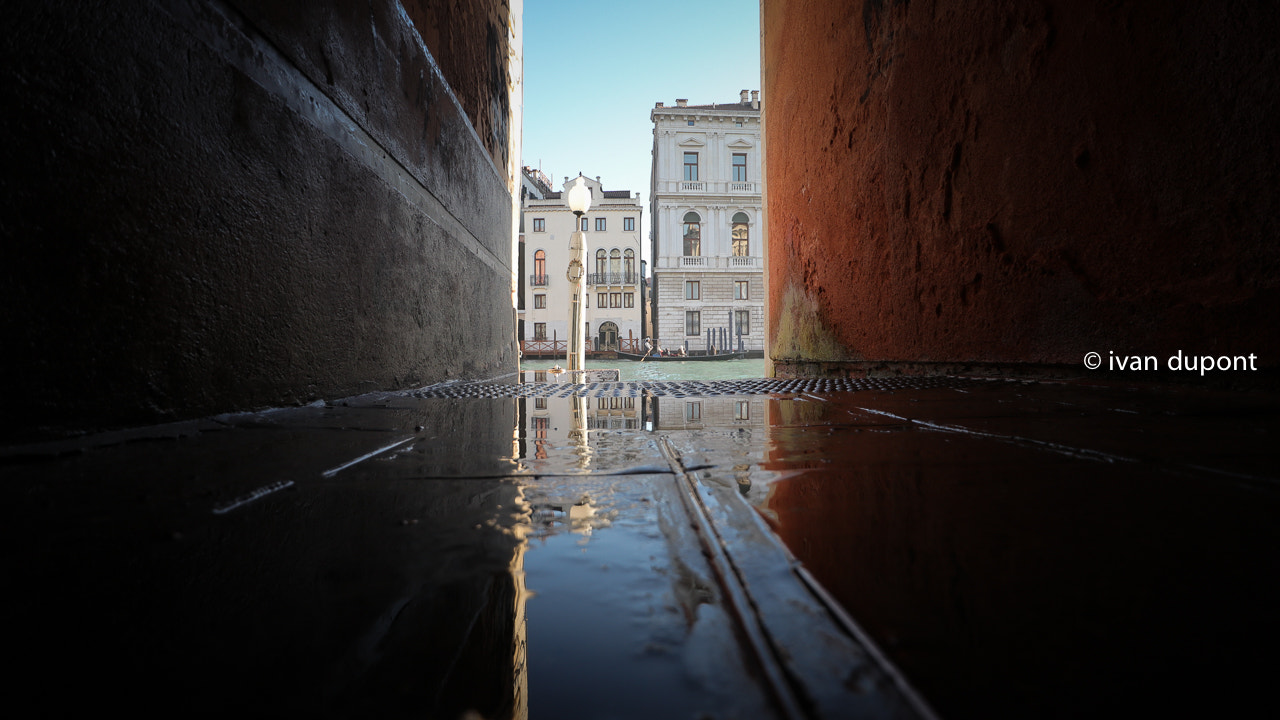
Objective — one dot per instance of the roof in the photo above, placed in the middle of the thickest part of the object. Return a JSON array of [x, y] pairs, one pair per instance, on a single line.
[[715, 106], [539, 180], [731, 107]]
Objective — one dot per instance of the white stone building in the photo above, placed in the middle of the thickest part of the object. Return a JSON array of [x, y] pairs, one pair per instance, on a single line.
[[706, 214], [613, 289]]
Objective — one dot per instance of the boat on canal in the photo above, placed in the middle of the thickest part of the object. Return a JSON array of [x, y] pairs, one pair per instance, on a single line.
[[674, 358]]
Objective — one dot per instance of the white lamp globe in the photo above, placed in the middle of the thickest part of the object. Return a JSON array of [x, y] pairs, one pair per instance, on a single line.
[[579, 197]]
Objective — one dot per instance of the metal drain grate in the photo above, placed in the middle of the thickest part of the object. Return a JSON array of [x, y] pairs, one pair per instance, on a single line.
[[689, 388]]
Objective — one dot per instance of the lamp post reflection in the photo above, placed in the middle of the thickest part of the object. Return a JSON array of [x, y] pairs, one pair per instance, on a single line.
[[578, 435]]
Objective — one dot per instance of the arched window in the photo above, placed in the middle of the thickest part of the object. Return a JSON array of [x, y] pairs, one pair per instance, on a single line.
[[615, 264], [629, 263], [540, 268], [692, 234], [600, 263], [741, 242]]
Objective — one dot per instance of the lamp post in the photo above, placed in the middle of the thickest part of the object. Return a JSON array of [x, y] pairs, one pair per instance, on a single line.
[[579, 203]]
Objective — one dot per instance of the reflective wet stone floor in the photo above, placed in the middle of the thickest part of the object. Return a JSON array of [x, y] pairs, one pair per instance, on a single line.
[[959, 547]]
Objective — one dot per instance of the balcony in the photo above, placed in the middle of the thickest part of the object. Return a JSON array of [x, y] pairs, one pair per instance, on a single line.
[[538, 280], [711, 187], [711, 262], [613, 278]]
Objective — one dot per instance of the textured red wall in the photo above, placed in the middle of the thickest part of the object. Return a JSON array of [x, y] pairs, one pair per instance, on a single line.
[[1019, 182]]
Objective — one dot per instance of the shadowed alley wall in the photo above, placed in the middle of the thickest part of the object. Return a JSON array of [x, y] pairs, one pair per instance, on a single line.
[[959, 185], [210, 206]]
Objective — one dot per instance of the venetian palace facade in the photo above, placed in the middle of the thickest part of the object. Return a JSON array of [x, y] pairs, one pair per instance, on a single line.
[[706, 213], [612, 281]]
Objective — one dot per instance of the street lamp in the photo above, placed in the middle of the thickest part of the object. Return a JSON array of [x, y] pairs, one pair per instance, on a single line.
[[579, 203]]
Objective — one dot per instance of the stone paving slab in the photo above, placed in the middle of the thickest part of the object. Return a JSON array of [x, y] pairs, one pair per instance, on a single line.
[[617, 548], [384, 555]]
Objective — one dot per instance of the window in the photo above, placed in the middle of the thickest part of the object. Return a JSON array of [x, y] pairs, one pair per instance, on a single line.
[[615, 261], [584, 224], [693, 412], [692, 290], [539, 331], [629, 265], [628, 300], [743, 321], [586, 299], [615, 300], [691, 166], [741, 239], [539, 301], [692, 323], [741, 289], [629, 224], [540, 403], [600, 263], [690, 122], [743, 410], [604, 300], [739, 167], [601, 223], [539, 224], [692, 234], [539, 268]]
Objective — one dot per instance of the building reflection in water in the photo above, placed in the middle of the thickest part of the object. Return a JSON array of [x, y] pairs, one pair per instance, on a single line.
[[1009, 582]]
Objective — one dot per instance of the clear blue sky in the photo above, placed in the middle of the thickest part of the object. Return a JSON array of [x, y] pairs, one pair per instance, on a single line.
[[593, 70]]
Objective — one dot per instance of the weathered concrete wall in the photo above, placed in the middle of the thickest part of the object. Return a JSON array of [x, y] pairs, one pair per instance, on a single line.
[[209, 206], [1014, 184]]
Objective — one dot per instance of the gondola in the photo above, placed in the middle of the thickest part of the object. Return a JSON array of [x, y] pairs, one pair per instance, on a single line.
[[674, 358]]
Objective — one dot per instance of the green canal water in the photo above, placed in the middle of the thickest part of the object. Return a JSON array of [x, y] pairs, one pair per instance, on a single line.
[[642, 371]]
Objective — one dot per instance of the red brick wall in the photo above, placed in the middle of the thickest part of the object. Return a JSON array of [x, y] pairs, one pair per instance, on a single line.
[[1016, 183]]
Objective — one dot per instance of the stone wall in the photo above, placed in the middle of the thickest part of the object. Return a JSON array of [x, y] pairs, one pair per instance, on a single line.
[[1013, 184], [716, 301], [210, 206]]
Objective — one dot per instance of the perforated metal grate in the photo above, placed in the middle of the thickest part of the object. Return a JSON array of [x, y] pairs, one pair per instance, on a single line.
[[761, 386]]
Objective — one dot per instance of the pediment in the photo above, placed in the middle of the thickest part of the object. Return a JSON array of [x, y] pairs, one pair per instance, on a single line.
[[741, 143], [691, 142]]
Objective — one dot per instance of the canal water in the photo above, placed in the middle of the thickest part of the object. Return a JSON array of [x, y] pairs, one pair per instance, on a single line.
[[666, 371]]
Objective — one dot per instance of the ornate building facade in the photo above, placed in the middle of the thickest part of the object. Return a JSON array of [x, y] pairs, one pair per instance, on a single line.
[[706, 212], [613, 288]]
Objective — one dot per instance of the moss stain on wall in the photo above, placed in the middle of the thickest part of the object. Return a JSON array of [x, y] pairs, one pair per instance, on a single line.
[[801, 332]]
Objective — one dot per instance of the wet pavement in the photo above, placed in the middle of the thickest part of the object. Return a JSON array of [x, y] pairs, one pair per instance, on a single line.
[[883, 549]]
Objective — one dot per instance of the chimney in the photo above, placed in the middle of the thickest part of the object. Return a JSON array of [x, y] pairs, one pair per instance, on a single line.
[[742, 97], [682, 102], [658, 105], [755, 100]]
